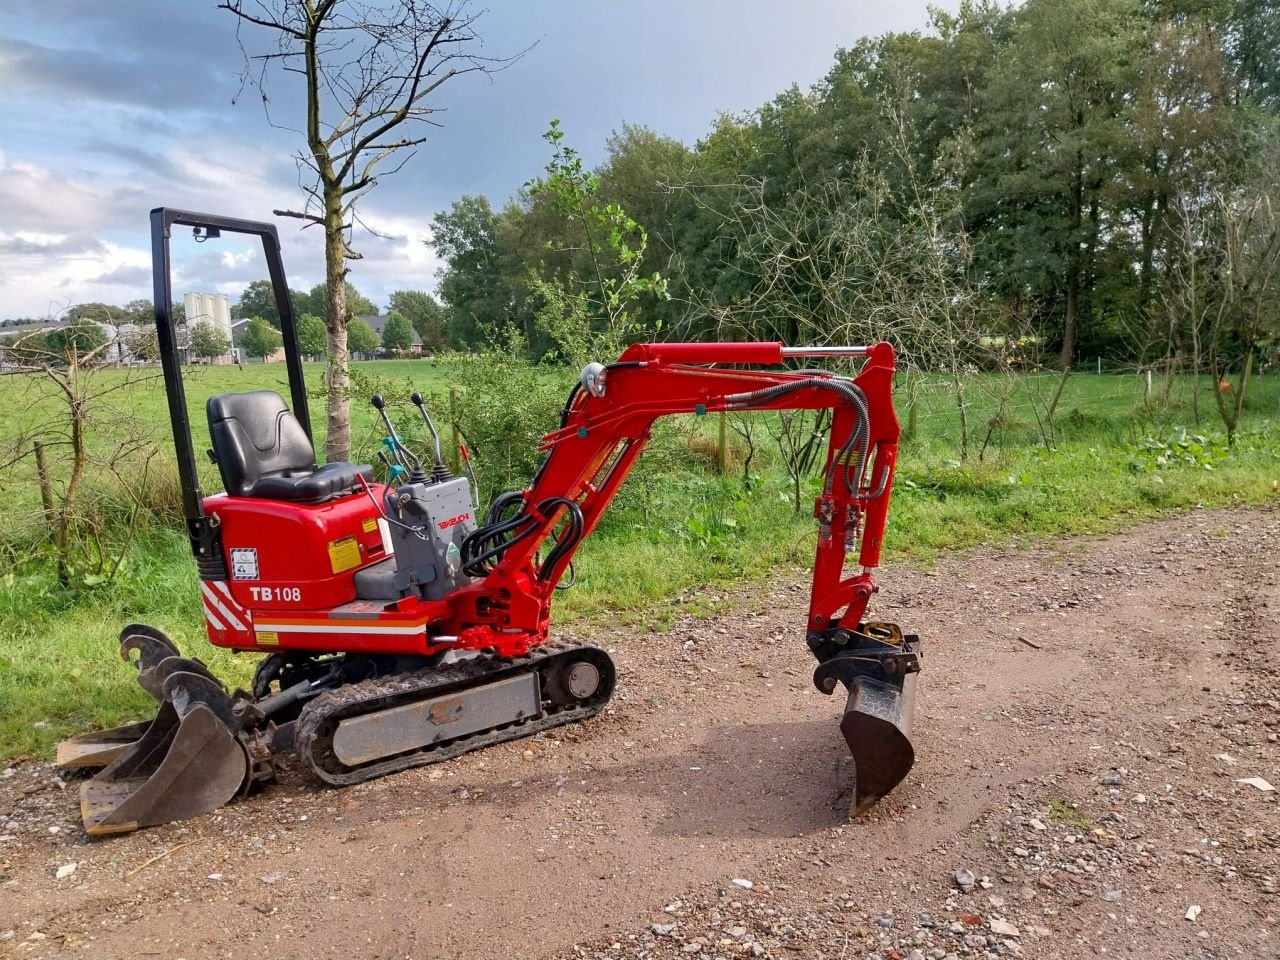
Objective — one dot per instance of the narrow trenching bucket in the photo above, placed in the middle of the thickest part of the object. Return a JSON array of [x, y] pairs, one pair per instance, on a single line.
[[878, 666], [877, 727], [189, 761]]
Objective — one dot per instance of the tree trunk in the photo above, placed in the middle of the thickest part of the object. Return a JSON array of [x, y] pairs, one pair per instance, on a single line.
[[337, 442], [1071, 321]]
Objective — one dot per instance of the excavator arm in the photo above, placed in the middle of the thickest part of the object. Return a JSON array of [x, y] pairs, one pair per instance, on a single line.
[[604, 427], [608, 420]]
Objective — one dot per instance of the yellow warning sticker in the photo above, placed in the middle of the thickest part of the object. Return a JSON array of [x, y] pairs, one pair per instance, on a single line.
[[344, 554], [268, 639], [370, 524]]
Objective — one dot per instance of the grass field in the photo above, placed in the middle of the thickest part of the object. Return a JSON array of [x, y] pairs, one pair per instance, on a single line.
[[1118, 456]]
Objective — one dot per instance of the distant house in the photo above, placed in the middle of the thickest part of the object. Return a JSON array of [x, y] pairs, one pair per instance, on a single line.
[[379, 321]]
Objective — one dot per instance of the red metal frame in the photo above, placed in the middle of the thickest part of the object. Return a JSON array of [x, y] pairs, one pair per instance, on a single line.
[[587, 461]]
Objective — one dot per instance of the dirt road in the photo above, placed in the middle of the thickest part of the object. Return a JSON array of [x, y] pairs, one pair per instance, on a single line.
[[1087, 714]]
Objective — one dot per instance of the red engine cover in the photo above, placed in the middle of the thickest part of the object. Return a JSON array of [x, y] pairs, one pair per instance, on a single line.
[[287, 558]]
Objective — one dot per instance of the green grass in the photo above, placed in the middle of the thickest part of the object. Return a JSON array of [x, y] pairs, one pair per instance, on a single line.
[[676, 528]]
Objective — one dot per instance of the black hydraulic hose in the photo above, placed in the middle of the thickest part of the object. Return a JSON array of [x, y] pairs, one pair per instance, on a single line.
[[567, 540], [484, 549], [859, 436]]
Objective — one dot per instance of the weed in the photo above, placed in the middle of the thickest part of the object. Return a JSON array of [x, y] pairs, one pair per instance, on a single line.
[[1064, 812]]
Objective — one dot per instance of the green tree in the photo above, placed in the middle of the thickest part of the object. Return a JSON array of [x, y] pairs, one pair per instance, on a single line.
[[260, 339], [259, 300], [361, 337], [1056, 126], [208, 340], [316, 301], [606, 283], [78, 341], [473, 286], [425, 313], [397, 334], [311, 335], [95, 312]]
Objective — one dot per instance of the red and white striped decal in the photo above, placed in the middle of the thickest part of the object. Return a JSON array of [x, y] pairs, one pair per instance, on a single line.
[[221, 610]]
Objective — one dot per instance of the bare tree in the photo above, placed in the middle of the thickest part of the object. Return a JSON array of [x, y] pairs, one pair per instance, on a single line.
[[67, 440], [369, 69]]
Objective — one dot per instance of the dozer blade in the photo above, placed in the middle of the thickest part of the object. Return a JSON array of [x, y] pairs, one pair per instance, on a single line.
[[189, 761], [877, 727]]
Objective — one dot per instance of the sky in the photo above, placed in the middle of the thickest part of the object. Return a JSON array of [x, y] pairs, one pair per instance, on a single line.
[[112, 108]]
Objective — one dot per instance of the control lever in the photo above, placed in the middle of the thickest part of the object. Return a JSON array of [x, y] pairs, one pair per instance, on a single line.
[[441, 471], [416, 473], [394, 470]]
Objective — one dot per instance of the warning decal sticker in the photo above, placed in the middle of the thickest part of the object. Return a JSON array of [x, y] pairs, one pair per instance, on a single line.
[[244, 563]]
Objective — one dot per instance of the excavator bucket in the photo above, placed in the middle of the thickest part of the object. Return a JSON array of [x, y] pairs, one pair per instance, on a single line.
[[97, 748], [878, 666], [877, 727], [189, 761]]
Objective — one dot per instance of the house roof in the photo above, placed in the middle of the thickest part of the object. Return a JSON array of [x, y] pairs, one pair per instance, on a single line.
[[379, 320]]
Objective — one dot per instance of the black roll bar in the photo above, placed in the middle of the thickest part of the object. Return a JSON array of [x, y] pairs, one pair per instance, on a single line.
[[203, 536]]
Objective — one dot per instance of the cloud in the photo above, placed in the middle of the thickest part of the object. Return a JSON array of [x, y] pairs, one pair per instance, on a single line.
[[158, 80], [125, 276], [47, 246]]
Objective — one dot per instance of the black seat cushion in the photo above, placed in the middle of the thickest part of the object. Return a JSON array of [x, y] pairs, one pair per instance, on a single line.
[[262, 451], [331, 480]]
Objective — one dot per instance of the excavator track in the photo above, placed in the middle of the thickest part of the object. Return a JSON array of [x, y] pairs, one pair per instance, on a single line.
[[522, 696]]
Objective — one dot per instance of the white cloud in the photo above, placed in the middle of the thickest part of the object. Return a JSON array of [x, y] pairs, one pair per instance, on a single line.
[[38, 276]]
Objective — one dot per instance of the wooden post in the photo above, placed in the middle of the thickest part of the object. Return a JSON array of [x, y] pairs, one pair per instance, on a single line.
[[46, 486], [722, 447], [453, 420]]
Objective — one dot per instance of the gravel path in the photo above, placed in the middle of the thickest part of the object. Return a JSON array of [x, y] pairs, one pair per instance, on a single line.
[[1097, 730]]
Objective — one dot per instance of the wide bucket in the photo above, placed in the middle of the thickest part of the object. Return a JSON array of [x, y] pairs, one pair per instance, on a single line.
[[189, 761]]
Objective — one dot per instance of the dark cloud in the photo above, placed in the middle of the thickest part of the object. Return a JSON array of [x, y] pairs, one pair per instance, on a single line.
[[72, 246], [125, 277], [110, 76]]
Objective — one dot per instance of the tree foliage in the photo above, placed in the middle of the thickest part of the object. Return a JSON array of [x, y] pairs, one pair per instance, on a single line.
[[311, 335], [397, 333], [1041, 159], [208, 340], [362, 338], [425, 313], [260, 339]]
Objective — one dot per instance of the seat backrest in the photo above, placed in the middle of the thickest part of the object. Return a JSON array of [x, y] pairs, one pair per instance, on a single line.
[[254, 436]]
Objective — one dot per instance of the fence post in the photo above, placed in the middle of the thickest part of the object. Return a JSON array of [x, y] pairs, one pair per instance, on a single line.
[[453, 423], [722, 446]]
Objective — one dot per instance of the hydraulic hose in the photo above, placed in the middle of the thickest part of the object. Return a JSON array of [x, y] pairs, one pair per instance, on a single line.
[[859, 436]]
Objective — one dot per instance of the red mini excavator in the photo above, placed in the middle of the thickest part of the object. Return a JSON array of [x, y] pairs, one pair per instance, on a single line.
[[400, 628]]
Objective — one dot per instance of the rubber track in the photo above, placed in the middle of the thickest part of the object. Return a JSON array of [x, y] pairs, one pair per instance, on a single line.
[[320, 717]]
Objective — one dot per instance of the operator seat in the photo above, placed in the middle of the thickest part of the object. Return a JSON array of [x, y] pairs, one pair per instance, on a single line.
[[262, 451]]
